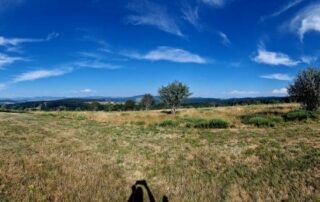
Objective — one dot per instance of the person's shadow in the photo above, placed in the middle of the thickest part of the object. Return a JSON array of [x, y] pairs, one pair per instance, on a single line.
[[137, 192]]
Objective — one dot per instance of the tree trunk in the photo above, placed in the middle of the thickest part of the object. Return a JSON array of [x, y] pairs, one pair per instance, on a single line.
[[173, 110]]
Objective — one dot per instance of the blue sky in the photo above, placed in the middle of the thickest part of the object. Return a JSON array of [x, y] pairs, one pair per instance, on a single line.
[[220, 48]]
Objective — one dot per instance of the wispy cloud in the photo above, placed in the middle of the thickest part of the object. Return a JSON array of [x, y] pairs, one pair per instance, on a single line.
[[191, 15], [218, 3], [243, 93], [87, 91], [152, 14], [306, 20], [96, 64], [282, 9], [278, 76], [169, 54], [7, 60], [273, 58], [94, 60], [17, 41], [52, 35], [224, 39], [88, 37], [62, 70], [281, 91], [40, 74], [309, 59]]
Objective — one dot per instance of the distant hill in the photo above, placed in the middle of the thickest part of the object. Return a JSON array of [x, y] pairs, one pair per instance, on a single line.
[[95, 103]]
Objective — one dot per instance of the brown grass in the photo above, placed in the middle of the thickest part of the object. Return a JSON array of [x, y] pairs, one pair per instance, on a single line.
[[97, 156]]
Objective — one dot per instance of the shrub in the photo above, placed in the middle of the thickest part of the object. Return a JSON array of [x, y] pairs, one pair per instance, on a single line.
[[299, 115], [191, 122], [218, 123], [168, 123], [213, 123], [261, 121]]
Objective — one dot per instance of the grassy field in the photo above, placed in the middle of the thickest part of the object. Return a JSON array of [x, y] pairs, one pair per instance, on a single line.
[[97, 156]]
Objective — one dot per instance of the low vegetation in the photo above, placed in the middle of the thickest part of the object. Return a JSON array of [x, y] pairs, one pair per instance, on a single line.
[[300, 114], [262, 120], [205, 154], [212, 123]]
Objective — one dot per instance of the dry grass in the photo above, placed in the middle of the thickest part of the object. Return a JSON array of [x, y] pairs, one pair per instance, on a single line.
[[97, 156], [156, 116]]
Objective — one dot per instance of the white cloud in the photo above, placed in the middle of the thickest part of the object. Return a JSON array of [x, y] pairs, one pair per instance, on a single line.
[[306, 20], [191, 15], [280, 77], [87, 90], [224, 39], [52, 35], [309, 59], [283, 91], [282, 10], [40, 74], [274, 58], [214, 2], [94, 60], [170, 54], [17, 41], [7, 60], [241, 92], [152, 14], [96, 64]]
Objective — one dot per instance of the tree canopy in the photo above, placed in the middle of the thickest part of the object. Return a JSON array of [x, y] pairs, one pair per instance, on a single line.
[[173, 94], [306, 88], [147, 101]]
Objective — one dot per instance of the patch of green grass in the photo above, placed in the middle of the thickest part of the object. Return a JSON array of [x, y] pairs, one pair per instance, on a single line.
[[207, 124], [139, 123], [300, 115], [262, 120], [169, 123]]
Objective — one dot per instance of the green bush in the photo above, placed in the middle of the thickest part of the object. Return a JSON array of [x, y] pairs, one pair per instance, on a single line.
[[299, 115], [192, 122], [168, 123], [213, 123], [218, 123], [261, 121]]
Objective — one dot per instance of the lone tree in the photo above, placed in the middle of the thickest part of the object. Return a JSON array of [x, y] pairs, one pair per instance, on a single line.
[[173, 94], [129, 105], [306, 88], [147, 101]]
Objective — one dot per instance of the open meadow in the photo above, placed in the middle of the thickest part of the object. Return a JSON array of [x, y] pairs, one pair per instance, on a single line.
[[260, 154]]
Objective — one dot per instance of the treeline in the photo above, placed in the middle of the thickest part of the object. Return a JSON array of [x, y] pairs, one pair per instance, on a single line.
[[130, 105]]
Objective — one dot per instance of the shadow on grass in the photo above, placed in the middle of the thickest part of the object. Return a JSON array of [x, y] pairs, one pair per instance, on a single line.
[[137, 192]]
